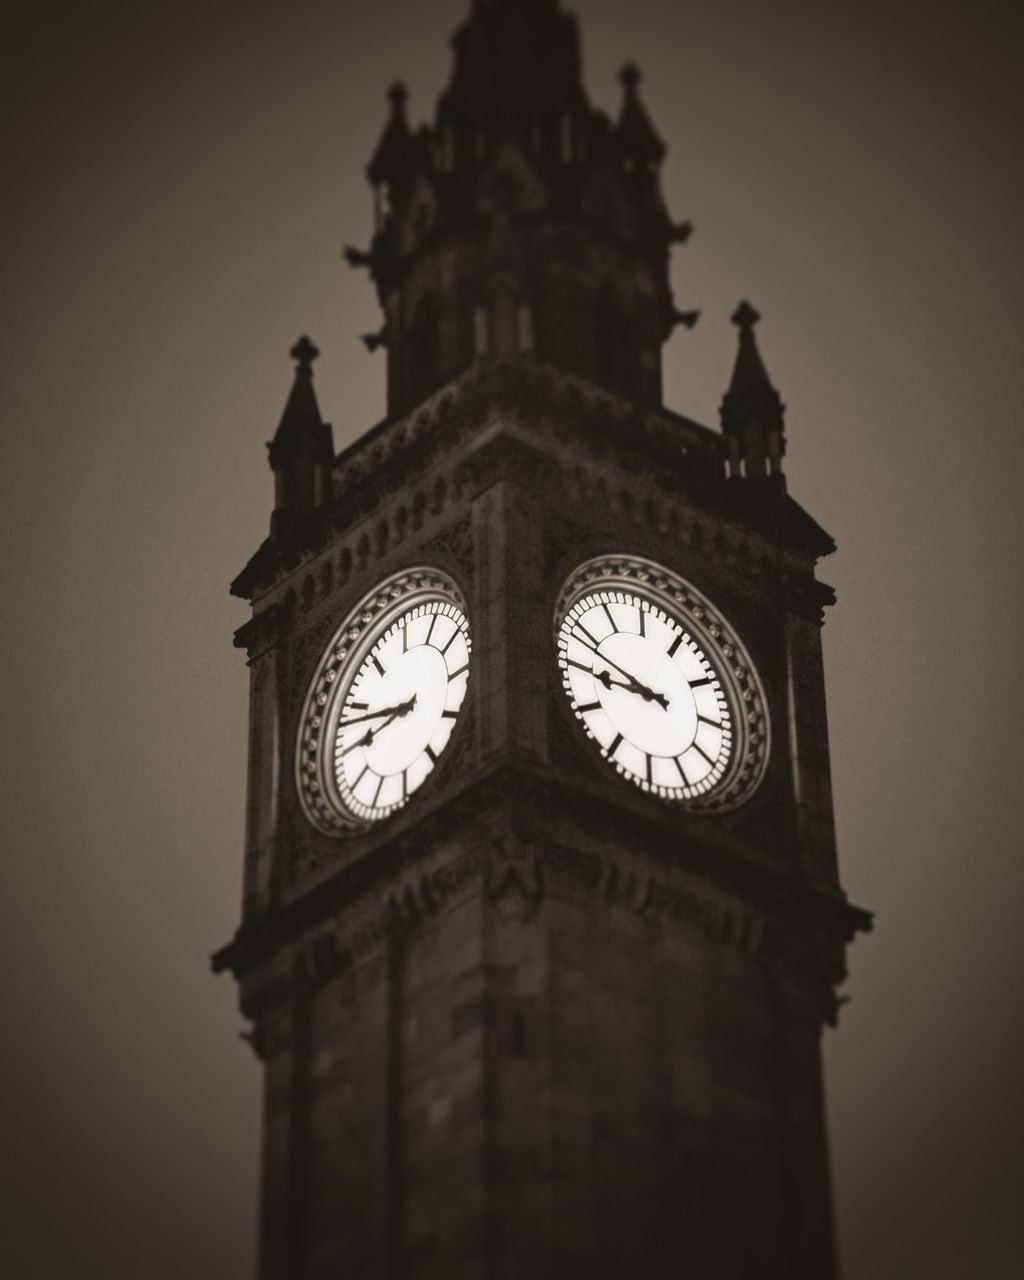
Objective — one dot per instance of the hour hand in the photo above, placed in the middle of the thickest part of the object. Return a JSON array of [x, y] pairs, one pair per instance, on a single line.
[[603, 677], [649, 695], [632, 686], [365, 741]]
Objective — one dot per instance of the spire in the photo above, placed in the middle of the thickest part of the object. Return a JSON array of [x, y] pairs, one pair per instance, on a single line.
[[752, 410], [492, 222], [517, 70], [302, 447], [634, 133], [301, 418]]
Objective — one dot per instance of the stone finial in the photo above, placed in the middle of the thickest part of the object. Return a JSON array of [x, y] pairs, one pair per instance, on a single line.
[[304, 353], [630, 76], [745, 317]]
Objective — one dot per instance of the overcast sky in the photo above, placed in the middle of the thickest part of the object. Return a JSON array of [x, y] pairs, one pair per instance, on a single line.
[[179, 181]]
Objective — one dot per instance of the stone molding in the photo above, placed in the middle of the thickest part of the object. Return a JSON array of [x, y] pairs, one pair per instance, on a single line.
[[795, 931], [660, 457]]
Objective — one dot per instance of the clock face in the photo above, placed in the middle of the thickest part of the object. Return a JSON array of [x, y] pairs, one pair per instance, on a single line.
[[661, 684], [384, 701]]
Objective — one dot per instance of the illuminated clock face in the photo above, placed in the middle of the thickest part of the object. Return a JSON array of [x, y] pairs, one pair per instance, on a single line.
[[661, 684], [384, 702]]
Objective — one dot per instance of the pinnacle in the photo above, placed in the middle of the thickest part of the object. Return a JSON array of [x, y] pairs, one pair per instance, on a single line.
[[301, 415], [391, 156], [750, 383], [636, 134]]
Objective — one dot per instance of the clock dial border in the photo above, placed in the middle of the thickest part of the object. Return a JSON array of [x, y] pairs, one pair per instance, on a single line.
[[746, 716], [352, 642]]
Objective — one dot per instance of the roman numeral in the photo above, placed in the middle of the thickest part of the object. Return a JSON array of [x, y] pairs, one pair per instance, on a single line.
[[376, 663], [615, 745], [648, 755], [448, 715], [405, 638], [405, 783], [697, 684], [358, 706], [643, 625], [675, 645], [588, 706]]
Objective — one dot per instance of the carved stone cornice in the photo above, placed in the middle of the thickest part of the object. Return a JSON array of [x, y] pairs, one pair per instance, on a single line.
[[490, 839], [263, 630], [642, 466]]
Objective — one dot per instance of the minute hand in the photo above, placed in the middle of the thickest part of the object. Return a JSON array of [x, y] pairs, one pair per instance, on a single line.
[[402, 709]]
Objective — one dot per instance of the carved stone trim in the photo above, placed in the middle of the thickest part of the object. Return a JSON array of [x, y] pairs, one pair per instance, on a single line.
[[456, 543]]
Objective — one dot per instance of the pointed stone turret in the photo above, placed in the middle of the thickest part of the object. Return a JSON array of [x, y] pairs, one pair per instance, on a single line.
[[635, 136], [392, 164], [302, 448], [752, 411], [396, 141]]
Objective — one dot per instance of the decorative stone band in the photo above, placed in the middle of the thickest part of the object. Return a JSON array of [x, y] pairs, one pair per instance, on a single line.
[[351, 642], [728, 655]]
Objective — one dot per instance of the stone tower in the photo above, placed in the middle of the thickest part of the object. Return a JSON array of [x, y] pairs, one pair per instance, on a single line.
[[541, 918]]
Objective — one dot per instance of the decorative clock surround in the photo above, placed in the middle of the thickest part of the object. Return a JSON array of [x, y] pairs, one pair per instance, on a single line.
[[661, 683], [383, 702]]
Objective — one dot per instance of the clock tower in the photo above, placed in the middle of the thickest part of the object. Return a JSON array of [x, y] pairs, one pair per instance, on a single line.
[[541, 918]]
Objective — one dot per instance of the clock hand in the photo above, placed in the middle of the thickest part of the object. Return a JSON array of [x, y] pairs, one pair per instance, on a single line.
[[649, 695], [365, 741], [402, 709], [605, 679], [631, 685], [634, 685], [370, 736]]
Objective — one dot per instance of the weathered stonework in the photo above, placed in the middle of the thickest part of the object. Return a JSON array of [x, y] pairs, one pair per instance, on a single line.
[[538, 1024]]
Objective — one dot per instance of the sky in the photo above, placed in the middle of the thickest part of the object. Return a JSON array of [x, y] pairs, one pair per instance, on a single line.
[[180, 181]]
